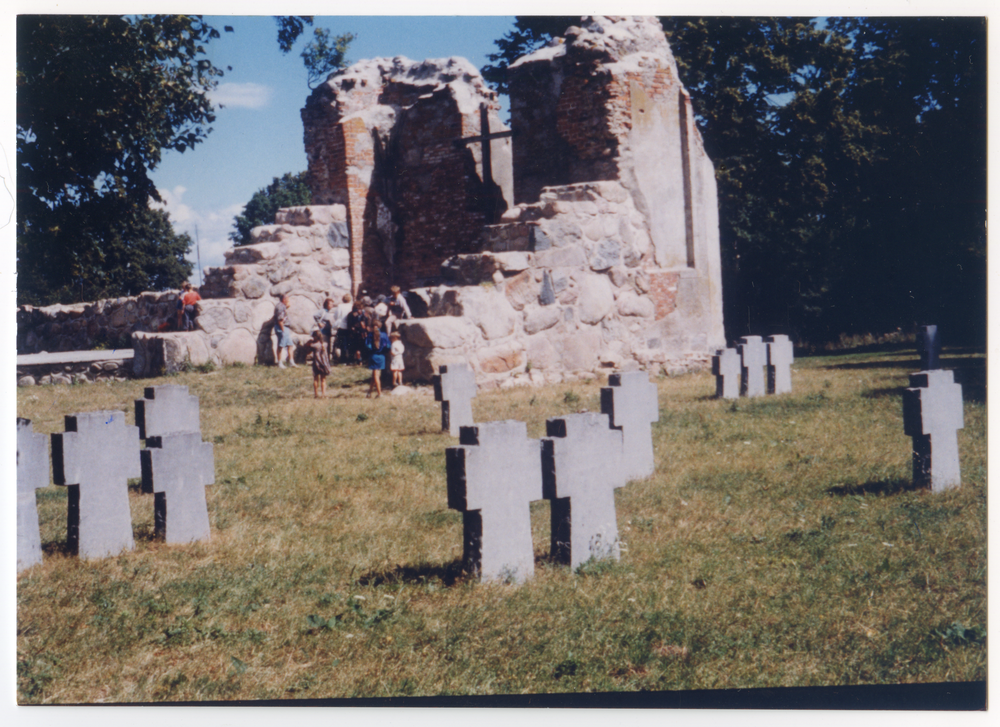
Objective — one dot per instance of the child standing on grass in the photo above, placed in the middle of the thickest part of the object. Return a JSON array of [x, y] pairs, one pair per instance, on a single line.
[[377, 345], [396, 364], [320, 363]]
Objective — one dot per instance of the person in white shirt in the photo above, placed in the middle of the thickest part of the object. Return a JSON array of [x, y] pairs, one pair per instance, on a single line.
[[340, 323]]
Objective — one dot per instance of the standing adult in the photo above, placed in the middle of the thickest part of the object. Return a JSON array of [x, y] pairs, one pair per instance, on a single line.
[[283, 332], [325, 319], [343, 342], [191, 298], [180, 305], [357, 328]]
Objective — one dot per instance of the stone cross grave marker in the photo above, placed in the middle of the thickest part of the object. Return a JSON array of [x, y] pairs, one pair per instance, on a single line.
[[32, 473], [780, 355], [176, 468], [454, 387], [932, 415], [95, 457], [630, 401], [492, 477], [753, 356], [726, 369], [176, 464], [582, 465], [166, 409], [929, 348]]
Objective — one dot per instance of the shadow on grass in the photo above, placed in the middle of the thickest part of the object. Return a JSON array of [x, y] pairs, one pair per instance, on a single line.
[[970, 373], [884, 488], [57, 547], [448, 573]]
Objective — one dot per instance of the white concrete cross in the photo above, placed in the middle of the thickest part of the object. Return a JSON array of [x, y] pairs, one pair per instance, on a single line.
[[932, 415], [726, 369], [95, 457], [32, 473], [582, 465], [492, 477], [630, 401], [454, 387], [176, 468], [780, 355], [166, 409], [753, 356]]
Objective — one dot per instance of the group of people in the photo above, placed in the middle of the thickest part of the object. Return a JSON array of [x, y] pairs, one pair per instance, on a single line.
[[359, 331]]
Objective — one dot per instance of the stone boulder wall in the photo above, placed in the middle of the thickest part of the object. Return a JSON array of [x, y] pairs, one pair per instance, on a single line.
[[230, 331], [305, 253], [83, 326], [582, 293]]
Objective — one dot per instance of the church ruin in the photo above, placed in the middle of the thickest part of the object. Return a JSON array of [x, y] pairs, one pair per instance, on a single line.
[[584, 237]]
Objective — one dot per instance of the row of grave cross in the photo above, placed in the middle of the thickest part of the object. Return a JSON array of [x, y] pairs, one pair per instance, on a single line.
[[496, 472], [95, 457], [740, 371]]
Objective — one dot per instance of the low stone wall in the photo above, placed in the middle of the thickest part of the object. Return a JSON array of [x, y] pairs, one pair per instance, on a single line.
[[73, 367], [82, 326]]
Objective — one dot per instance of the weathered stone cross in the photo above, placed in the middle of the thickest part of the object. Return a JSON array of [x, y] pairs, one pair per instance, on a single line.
[[176, 464], [166, 409], [454, 387], [630, 400], [492, 477], [581, 468], [492, 195], [932, 415], [780, 355], [753, 356], [32, 473], [726, 369], [176, 468], [95, 457]]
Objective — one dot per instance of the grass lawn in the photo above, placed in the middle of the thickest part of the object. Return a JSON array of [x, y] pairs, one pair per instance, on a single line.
[[778, 544]]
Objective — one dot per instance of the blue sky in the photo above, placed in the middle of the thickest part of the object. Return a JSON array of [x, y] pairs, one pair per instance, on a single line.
[[257, 134]]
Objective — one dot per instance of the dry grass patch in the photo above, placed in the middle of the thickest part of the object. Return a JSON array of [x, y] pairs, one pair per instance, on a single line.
[[778, 544]]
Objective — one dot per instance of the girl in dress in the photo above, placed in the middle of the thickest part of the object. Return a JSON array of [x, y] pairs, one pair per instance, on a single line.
[[396, 363], [320, 363], [377, 346]]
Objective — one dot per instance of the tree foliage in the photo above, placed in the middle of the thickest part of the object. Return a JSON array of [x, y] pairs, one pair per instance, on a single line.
[[99, 100], [290, 190], [325, 54], [850, 160]]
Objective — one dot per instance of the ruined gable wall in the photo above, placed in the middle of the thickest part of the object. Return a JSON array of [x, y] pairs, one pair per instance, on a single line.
[[380, 139], [606, 103]]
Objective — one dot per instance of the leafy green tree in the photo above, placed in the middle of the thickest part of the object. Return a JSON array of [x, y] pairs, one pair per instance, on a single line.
[[325, 54], [290, 190], [99, 99]]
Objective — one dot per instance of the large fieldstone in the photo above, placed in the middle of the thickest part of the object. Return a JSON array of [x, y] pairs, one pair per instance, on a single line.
[[596, 298], [443, 332], [239, 346], [540, 319], [489, 310]]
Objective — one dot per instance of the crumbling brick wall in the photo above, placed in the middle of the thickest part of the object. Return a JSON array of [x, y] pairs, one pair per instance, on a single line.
[[380, 139]]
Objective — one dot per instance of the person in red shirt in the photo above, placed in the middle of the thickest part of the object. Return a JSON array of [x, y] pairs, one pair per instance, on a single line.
[[190, 300]]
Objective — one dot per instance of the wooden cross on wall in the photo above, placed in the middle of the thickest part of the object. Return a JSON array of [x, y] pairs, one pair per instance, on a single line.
[[492, 199]]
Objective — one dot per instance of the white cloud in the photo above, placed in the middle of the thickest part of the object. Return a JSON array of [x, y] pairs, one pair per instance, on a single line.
[[209, 228], [242, 95]]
